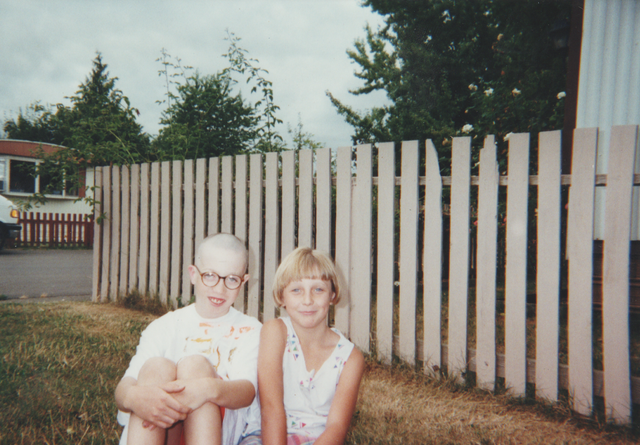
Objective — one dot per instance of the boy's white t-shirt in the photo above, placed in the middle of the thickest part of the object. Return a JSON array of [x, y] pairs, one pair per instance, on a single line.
[[230, 343]]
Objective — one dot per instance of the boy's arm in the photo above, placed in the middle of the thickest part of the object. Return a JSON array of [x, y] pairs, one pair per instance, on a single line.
[[273, 339], [344, 401], [154, 404], [232, 394]]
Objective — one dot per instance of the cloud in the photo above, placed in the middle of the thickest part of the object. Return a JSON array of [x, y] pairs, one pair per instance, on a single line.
[[48, 48]]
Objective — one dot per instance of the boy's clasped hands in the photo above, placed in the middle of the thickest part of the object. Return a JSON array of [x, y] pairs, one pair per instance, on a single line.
[[209, 374]]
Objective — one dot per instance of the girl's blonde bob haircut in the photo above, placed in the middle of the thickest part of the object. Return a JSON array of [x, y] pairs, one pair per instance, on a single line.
[[305, 263]]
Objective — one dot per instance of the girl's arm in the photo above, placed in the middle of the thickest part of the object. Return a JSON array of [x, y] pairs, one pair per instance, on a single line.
[[273, 339], [344, 402]]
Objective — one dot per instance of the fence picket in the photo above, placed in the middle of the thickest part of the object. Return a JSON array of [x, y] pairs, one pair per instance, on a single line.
[[125, 202], [615, 284], [106, 230], [175, 287], [154, 236], [214, 196], [240, 229], [486, 266], [226, 191], [288, 203], [134, 225], [516, 268], [432, 261], [271, 234], [115, 233], [580, 253], [97, 235], [187, 236], [145, 207], [386, 200], [165, 230], [200, 205], [305, 198], [255, 236], [360, 279], [323, 224], [459, 256], [408, 256], [548, 265], [343, 236]]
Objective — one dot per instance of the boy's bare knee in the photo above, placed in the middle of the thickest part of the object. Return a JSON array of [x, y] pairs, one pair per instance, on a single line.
[[195, 366], [157, 370]]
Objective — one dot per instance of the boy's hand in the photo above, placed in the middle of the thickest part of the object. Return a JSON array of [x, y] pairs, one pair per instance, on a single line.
[[156, 405], [196, 392]]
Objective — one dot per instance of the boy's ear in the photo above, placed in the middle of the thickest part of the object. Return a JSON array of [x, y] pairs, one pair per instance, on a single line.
[[193, 274], [245, 278]]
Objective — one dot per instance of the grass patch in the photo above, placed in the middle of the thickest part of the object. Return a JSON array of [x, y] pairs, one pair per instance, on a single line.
[[397, 405], [60, 364], [59, 369]]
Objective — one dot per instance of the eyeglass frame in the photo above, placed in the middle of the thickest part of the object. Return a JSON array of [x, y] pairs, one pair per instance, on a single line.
[[224, 279]]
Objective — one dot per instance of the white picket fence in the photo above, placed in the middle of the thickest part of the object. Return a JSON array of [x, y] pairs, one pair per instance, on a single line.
[[328, 199]]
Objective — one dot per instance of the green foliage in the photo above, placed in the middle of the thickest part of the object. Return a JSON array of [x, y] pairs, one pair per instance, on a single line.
[[435, 59], [268, 138], [99, 128], [205, 119], [206, 116], [302, 139], [37, 124]]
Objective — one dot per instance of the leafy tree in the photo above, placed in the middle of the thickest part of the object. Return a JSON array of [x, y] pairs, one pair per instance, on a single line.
[[483, 66], [301, 139], [37, 124], [206, 119], [268, 138], [206, 116]]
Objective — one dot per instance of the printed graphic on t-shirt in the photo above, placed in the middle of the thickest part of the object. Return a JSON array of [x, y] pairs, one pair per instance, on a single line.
[[216, 341]]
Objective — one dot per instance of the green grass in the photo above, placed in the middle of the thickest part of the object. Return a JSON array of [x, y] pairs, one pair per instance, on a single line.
[[60, 365]]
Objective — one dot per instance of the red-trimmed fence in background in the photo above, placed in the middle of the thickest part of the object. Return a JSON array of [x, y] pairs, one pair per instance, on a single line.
[[55, 229]]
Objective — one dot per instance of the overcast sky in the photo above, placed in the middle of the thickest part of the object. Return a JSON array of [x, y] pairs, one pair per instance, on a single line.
[[47, 49]]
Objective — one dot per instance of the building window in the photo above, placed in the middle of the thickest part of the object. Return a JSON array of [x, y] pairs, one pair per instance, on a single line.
[[19, 176], [3, 174], [22, 176]]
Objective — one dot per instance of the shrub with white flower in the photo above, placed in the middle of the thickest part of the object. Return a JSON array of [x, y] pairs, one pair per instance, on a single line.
[[561, 94], [515, 91], [467, 128], [473, 87], [488, 92]]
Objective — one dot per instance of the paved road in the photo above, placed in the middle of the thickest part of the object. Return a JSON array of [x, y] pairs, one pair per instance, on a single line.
[[46, 275]]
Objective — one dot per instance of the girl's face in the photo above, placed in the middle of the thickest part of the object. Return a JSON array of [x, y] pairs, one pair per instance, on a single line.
[[307, 301]]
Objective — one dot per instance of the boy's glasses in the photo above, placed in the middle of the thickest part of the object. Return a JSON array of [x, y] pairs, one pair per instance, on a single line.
[[210, 279]]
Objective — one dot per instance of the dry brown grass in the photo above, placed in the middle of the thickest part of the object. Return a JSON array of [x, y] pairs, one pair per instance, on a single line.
[[397, 406]]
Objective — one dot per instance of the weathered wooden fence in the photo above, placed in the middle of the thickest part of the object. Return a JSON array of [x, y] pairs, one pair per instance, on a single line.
[[386, 235], [55, 230]]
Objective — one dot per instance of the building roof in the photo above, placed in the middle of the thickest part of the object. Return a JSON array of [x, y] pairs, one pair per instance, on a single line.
[[27, 149]]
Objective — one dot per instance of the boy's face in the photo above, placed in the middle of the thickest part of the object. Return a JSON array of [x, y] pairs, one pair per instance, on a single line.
[[215, 301]]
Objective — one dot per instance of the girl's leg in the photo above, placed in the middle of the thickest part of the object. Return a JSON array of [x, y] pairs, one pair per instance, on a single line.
[[204, 425]]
